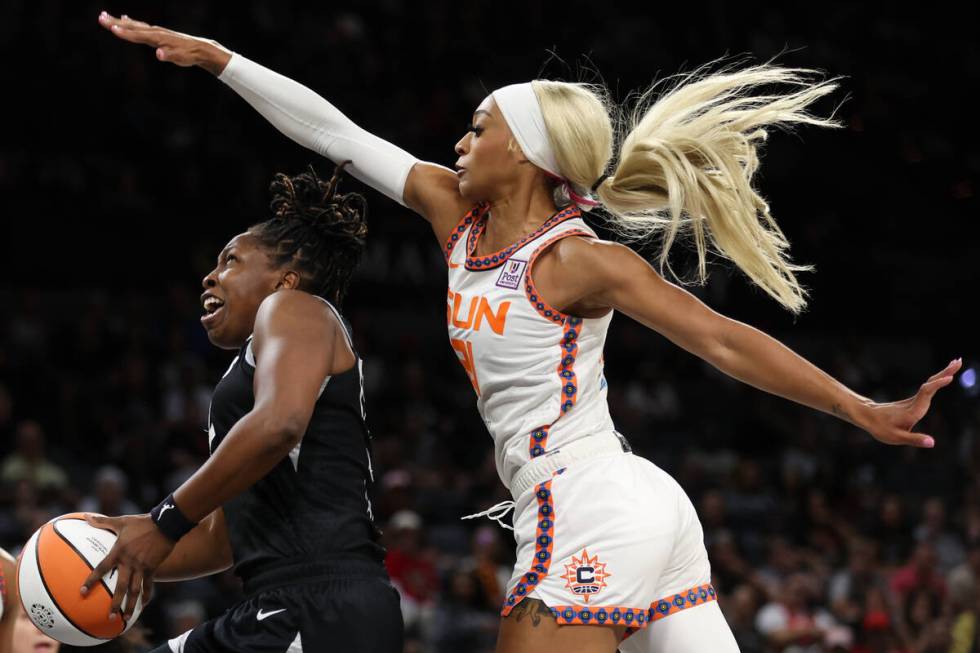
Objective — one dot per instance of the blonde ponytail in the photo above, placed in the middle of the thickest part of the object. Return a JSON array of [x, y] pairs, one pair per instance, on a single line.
[[687, 161]]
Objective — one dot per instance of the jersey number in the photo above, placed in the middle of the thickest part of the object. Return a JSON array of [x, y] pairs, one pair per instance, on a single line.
[[464, 351]]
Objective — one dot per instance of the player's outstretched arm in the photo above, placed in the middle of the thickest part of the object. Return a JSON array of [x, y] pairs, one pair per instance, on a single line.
[[310, 120], [608, 275]]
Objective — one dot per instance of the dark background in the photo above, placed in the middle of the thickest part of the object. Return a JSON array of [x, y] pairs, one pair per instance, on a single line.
[[121, 178]]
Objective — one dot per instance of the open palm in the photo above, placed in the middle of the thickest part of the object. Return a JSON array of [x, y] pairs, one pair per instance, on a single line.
[[892, 423]]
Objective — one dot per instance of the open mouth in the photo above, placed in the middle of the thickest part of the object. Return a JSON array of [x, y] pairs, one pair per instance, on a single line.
[[212, 309]]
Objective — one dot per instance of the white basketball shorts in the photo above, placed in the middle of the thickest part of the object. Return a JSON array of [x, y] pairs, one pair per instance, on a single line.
[[612, 540]]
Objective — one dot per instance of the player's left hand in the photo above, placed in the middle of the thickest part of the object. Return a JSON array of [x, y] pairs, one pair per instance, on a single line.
[[892, 423], [139, 549]]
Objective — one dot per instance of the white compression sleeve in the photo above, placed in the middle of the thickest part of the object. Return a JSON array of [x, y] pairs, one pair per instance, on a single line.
[[311, 121]]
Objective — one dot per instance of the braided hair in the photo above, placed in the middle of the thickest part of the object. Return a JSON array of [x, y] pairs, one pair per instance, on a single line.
[[316, 230]]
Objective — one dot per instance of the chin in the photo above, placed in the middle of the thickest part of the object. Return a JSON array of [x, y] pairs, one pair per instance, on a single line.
[[222, 340], [469, 192]]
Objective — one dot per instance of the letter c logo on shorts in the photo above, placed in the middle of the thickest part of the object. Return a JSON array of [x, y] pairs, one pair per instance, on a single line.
[[585, 575]]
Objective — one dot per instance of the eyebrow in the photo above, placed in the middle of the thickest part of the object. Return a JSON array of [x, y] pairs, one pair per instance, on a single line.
[[481, 111]]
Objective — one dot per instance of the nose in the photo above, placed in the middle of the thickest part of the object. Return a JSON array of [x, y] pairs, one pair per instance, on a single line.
[[210, 281], [461, 145]]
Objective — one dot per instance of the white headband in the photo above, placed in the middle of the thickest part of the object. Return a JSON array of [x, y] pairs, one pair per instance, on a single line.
[[523, 114], [519, 105]]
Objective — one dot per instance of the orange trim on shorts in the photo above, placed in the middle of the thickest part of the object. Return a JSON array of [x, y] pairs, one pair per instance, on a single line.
[[544, 539], [633, 618]]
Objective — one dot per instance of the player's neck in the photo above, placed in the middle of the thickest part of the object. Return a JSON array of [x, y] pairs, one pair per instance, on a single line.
[[515, 216]]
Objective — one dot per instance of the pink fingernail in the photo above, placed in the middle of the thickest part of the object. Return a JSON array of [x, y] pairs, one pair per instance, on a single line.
[[929, 443]]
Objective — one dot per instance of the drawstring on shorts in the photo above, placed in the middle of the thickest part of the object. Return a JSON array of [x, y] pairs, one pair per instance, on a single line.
[[496, 513]]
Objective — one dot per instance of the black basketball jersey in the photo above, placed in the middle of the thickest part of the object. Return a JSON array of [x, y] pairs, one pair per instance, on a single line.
[[313, 507]]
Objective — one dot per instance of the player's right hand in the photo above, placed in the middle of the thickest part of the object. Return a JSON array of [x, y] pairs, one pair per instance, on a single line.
[[177, 48]]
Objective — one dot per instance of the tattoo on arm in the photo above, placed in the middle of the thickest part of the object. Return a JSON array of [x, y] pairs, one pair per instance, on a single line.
[[534, 609]]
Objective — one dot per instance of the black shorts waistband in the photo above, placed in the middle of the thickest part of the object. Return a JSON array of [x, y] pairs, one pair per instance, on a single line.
[[303, 571]]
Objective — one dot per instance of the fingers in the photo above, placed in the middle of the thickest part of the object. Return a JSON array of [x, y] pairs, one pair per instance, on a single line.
[[122, 587], [130, 30], [101, 521], [133, 590], [925, 394], [952, 368], [99, 572], [129, 22], [147, 590], [920, 440]]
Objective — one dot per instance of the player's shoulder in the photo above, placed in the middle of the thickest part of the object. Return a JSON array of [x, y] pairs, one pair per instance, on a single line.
[[290, 300], [296, 307], [432, 191], [584, 247]]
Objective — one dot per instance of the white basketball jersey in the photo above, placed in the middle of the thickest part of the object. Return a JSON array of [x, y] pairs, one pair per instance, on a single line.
[[537, 372]]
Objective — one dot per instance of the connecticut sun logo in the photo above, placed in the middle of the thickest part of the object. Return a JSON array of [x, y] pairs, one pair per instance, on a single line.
[[585, 575]]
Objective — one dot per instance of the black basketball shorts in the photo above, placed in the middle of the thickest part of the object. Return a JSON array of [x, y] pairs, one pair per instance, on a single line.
[[353, 615]]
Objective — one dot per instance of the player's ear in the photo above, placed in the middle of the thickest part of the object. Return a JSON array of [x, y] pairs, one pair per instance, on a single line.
[[289, 279]]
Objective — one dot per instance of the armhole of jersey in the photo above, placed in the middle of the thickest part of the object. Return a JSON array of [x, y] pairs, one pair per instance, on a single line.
[[544, 309], [456, 235], [350, 343], [250, 355], [340, 320]]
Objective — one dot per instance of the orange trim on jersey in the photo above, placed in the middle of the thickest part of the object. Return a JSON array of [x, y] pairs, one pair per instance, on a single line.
[[457, 233], [572, 326], [495, 260], [544, 309], [544, 539]]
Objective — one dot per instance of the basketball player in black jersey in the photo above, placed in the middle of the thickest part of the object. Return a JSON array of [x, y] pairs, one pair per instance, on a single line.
[[283, 496]]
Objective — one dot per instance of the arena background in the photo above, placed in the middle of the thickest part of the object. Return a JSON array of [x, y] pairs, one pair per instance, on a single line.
[[121, 178]]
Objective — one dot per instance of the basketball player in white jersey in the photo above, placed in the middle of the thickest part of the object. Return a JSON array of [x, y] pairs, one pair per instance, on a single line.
[[607, 542]]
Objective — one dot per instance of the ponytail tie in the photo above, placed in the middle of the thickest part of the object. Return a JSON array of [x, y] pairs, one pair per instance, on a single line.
[[575, 197], [599, 181]]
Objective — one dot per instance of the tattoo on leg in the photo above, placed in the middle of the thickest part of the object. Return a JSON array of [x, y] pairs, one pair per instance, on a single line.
[[532, 608]]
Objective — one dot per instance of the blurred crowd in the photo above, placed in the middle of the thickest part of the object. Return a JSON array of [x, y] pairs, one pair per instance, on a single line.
[[821, 540]]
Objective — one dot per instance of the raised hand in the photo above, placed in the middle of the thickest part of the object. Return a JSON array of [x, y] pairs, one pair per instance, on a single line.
[[892, 423], [171, 46]]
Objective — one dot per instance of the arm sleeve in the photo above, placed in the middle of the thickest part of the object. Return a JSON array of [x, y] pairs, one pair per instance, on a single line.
[[311, 121]]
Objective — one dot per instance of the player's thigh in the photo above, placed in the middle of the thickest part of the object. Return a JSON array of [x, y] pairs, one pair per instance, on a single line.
[[531, 628], [701, 628]]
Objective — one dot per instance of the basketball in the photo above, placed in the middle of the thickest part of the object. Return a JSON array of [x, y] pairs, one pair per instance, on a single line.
[[50, 572]]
